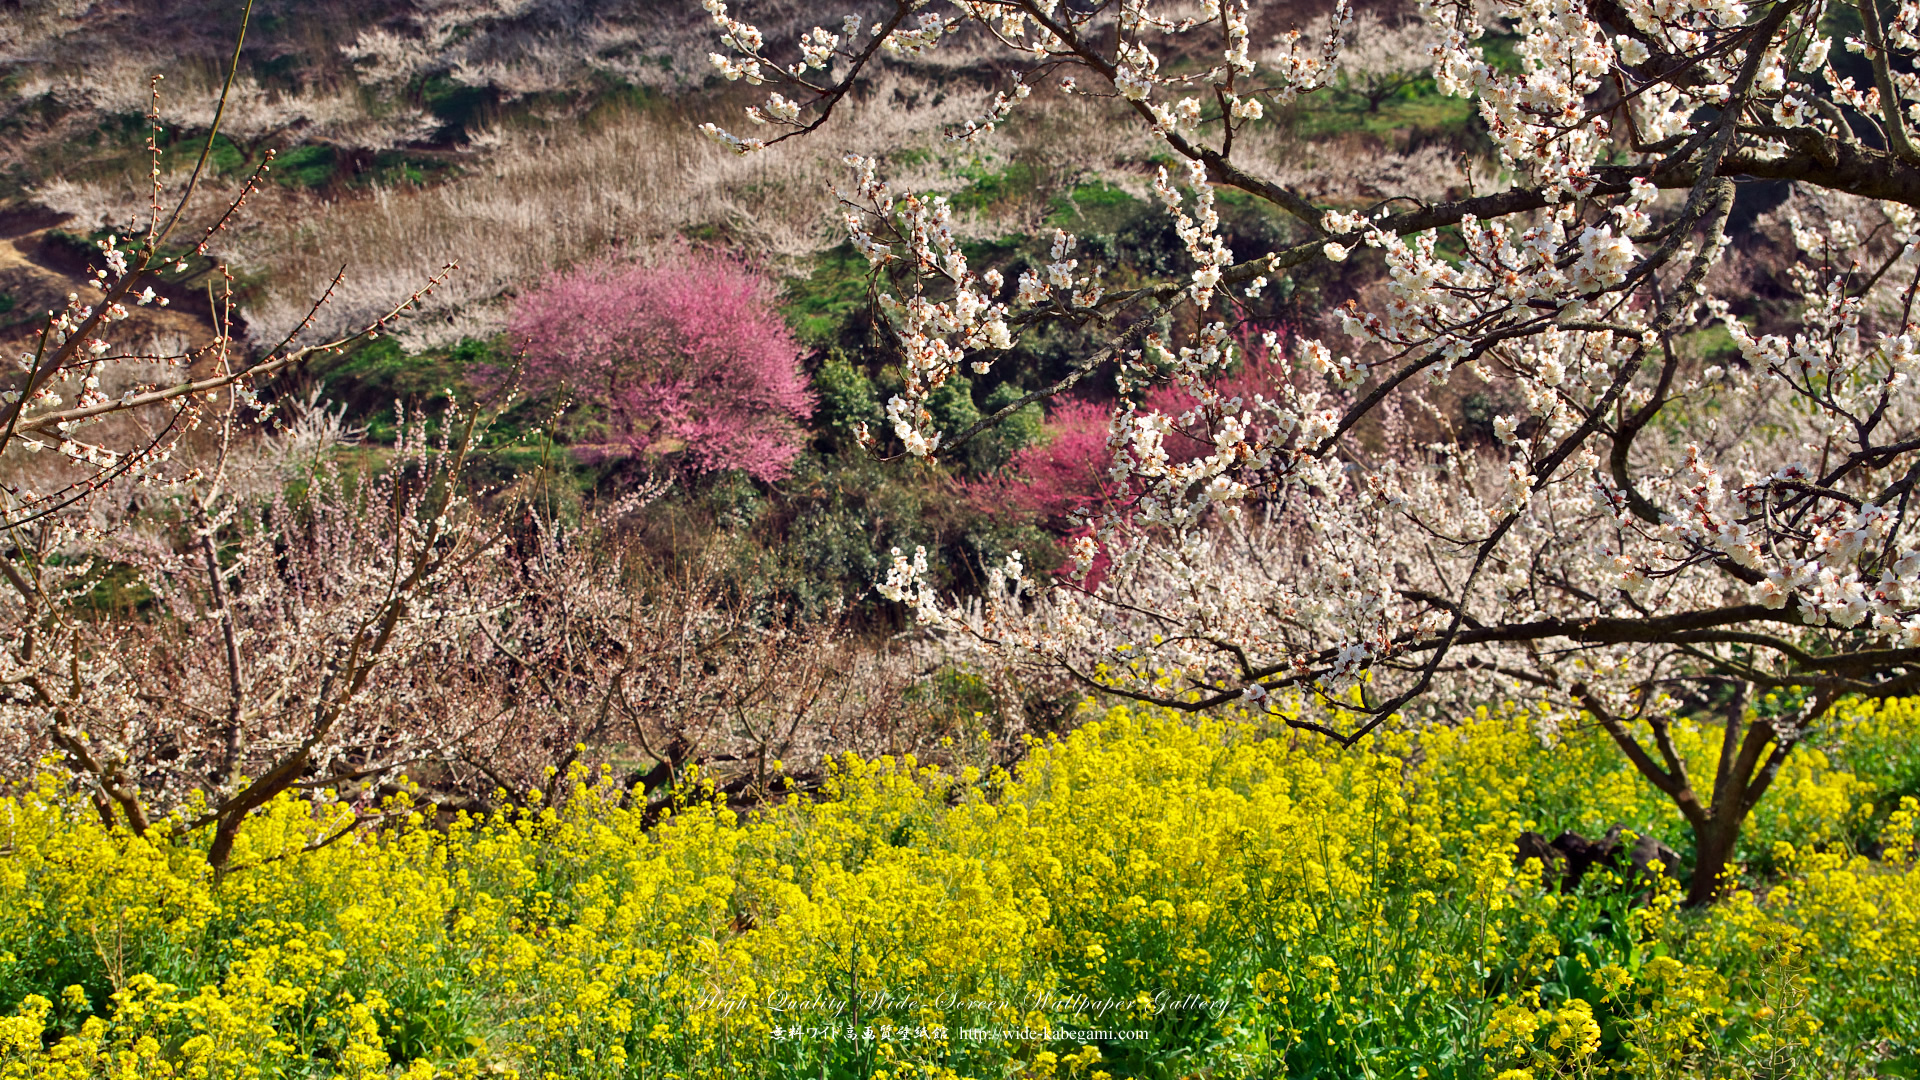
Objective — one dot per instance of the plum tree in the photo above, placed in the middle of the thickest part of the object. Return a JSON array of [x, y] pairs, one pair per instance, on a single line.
[[1646, 533]]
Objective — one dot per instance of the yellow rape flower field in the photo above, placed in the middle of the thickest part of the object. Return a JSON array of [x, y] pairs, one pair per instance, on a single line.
[[1152, 896]]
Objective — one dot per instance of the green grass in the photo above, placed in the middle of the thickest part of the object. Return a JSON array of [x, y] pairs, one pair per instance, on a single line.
[[305, 166], [1417, 107], [393, 168], [227, 158], [373, 375], [1713, 344], [818, 305], [989, 189], [1095, 207]]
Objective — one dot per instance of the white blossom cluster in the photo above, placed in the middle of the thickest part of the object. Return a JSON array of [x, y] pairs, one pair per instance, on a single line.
[[997, 113], [818, 48], [938, 337], [1202, 236]]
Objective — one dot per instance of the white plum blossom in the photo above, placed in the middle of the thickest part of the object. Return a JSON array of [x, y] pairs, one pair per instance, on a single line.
[[1312, 527]]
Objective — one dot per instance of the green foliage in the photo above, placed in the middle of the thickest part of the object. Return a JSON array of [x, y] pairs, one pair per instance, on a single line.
[[820, 305], [1502, 52], [1417, 109], [817, 541], [951, 404], [1021, 428], [612, 97], [846, 400], [392, 168], [71, 248], [227, 158], [1880, 747], [953, 692], [457, 105], [953, 408], [1099, 205], [1477, 412], [990, 188], [1712, 344], [373, 375]]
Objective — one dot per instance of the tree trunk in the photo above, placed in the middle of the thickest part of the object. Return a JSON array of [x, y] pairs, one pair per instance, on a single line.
[[221, 850], [1713, 848], [1752, 750]]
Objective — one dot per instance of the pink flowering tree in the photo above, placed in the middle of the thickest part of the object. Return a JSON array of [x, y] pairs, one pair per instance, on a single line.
[[1065, 478], [1656, 536], [1063, 473], [685, 359], [1061, 479]]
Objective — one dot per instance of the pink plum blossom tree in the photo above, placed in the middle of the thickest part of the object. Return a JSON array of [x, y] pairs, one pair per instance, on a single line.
[[1065, 471], [1060, 479], [685, 358]]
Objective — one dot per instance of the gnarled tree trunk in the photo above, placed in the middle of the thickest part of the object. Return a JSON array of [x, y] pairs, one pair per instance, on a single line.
[[1752, 749]]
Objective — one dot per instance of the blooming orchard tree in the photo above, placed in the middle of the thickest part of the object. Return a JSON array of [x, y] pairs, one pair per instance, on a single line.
[[87, 426], [687, 357], [310, 627], [1648, 533], [299, 643]]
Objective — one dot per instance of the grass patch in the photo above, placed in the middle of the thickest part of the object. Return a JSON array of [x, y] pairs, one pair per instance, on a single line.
[[1417, 107], [305, 166], [989, 189], [1095, 207], [373, 375], [394, 168], [820, 304]]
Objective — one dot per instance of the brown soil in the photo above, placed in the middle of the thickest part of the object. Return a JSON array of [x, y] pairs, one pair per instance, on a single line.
[[38, 274]]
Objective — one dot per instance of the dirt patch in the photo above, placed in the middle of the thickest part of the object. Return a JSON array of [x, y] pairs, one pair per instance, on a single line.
[[38, 273]]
